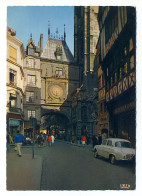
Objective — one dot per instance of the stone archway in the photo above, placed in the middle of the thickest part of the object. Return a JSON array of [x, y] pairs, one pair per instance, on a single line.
[[57, 121]]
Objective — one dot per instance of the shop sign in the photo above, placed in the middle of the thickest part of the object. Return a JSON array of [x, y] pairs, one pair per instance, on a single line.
[[14, 122]]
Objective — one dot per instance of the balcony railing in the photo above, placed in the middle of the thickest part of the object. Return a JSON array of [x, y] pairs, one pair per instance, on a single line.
[[15, 110]]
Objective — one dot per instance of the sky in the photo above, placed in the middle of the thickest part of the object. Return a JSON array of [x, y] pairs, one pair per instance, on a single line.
[[34, 19]]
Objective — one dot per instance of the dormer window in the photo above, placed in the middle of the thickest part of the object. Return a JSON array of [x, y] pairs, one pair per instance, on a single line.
[[30, 51], [58, 52]]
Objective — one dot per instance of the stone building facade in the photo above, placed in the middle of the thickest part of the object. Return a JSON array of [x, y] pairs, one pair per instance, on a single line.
[[14, 83], [50, 76], [84, 99], [32, 87]]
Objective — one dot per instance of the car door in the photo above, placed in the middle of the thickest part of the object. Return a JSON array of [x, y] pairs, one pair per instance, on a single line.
[[109, 148], [102, 148]]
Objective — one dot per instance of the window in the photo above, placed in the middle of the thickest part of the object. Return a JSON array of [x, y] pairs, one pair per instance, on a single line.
[[31, 80], [115, 77], [31, 51], [125, 68], [111, 25], [101, 107], [123, 144], [130, 44], [104, 142], [12, 54], [31, 114], [109, 143], [31, 63], [107, 71], [59, 71], [30, 96], [12, 76]]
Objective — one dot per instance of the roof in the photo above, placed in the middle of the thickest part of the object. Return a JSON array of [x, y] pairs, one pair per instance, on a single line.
[[56, 47], [117, 139]]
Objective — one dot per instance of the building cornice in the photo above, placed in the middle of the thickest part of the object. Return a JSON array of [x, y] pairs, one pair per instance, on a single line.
[[16, 64], [15, 87]]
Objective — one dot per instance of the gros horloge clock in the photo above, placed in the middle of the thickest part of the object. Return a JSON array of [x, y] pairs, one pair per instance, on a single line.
[[56, 91]]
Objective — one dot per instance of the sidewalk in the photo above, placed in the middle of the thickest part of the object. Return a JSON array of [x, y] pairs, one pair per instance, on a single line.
[[23, 173]]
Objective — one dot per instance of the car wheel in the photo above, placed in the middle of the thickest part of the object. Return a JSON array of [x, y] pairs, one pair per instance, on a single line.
[[112, 159], [95, 154]]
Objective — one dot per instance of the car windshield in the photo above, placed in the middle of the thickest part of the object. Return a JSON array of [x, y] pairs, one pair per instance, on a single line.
[[122, 144]]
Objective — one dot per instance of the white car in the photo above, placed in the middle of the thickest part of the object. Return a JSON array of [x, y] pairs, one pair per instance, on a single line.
[[115, 149]]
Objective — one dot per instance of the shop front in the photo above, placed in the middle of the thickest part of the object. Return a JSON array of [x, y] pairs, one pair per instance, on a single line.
[[14, 124]]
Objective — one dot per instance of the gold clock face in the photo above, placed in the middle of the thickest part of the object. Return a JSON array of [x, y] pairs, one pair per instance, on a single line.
[[56, 91]]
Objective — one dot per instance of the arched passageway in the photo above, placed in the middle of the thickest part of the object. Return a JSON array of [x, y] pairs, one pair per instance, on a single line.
[[56, 122]]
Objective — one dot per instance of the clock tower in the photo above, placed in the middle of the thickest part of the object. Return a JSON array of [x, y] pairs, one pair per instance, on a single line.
[[59, 77]]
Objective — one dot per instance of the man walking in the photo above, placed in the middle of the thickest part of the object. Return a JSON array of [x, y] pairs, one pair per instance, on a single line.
[[18, 140]]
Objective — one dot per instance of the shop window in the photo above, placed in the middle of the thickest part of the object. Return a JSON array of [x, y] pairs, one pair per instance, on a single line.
[[31, 80], [31, 114], [12, 54], [30, 97]]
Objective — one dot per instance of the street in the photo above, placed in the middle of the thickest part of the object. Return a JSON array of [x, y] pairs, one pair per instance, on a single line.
[[70, 167], [67, 167]]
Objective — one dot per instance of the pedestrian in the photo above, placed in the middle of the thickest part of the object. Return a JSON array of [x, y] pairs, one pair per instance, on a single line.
[[95, 141], [10, 140], [84, 140], [78, 140], [73, 140], [99, 139], [7, 143], [18, 140], [46, 140], [49, 140], [39, 140], [87, 139], [53, 139]]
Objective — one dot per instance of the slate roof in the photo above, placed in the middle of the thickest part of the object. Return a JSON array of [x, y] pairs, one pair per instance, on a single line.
[[55, 46]]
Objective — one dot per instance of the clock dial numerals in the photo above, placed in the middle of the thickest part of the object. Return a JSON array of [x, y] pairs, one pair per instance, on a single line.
[[56, 91]]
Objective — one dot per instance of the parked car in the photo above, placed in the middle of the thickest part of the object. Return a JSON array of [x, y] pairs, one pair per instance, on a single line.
[[115, 149]]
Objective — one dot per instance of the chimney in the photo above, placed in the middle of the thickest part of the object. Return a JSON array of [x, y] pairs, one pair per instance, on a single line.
[[41, 43]]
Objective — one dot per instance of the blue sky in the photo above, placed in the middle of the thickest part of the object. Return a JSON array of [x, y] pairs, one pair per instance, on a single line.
[[34, 19]]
